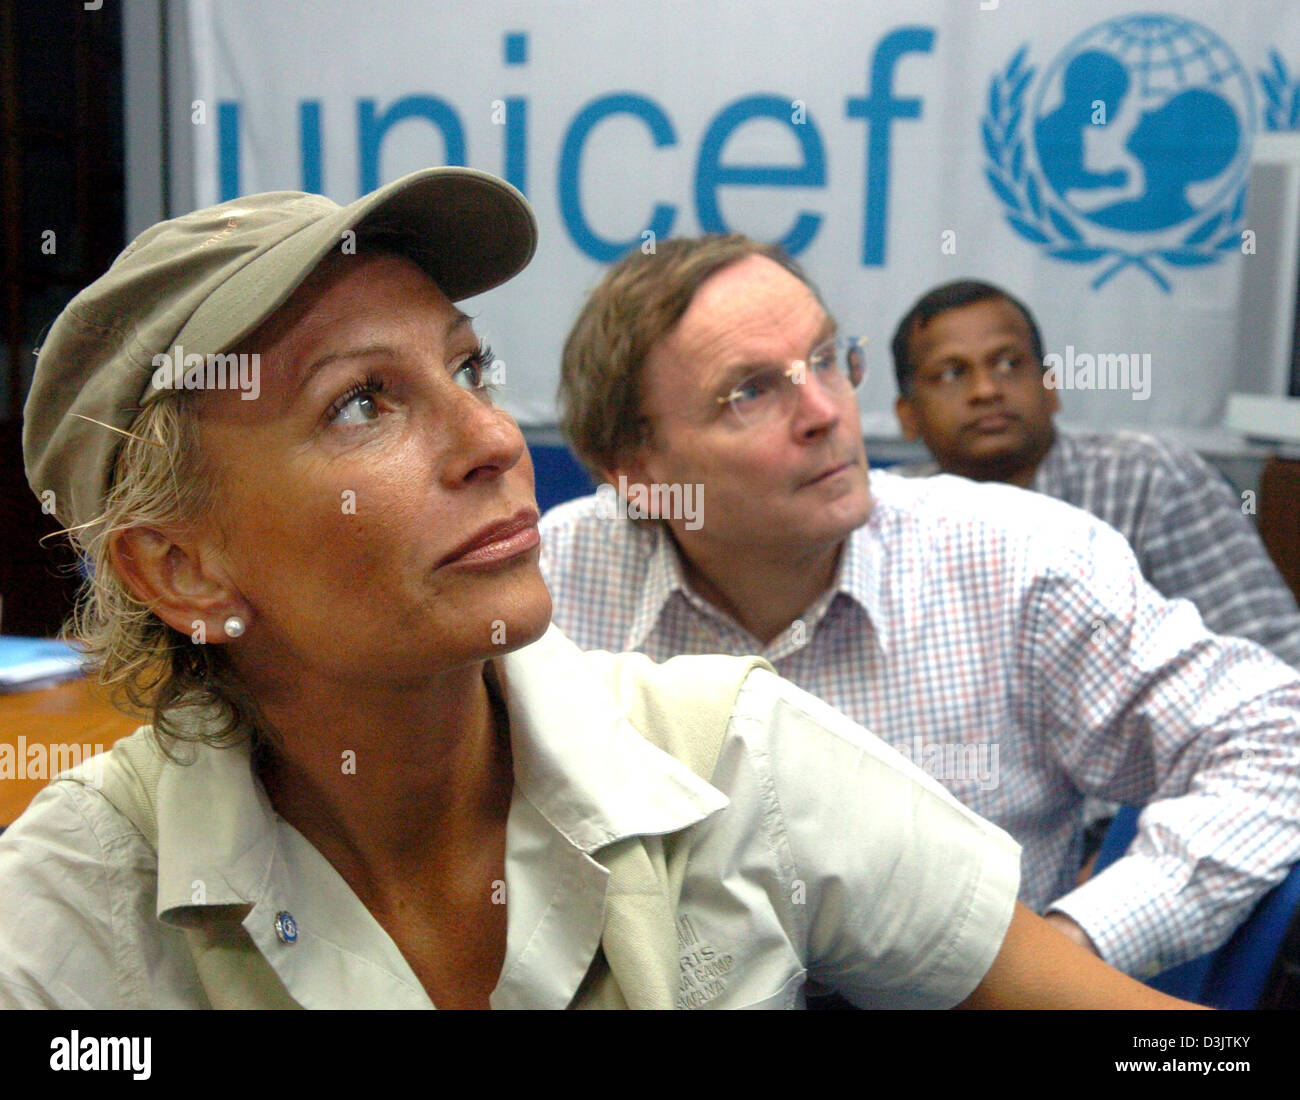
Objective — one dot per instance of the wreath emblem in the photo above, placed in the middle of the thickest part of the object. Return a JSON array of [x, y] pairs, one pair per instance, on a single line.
[[1035, 214], [1282, 109]]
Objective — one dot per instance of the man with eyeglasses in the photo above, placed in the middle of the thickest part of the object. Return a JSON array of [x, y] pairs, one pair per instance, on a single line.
[[972, 385], [1004, 642]]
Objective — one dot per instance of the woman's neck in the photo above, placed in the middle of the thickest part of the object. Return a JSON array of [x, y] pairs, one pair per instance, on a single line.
[[384, 783]]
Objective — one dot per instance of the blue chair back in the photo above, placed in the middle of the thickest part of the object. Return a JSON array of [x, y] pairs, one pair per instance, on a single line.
[[1238, 974], [559, 476]]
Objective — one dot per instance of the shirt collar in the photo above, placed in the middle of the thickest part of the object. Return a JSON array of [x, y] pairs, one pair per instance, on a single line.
[[216, 829], [224, 853], [858, 577], [893, 543], [591, 774], [577, 759], [663, 576], [1061, 456], [861, 567]]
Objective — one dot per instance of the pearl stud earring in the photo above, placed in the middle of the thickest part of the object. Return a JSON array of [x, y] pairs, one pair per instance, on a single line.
[[234, 626]]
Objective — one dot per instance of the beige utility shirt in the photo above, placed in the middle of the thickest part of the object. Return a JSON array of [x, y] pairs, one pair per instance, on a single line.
[[821, 854]]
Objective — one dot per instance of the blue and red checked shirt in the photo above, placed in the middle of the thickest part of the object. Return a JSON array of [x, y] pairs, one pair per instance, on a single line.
[[1008, 645], [1186, 527]]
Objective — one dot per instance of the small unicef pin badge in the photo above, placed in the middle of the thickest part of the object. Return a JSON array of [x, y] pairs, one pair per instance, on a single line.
[[286, 927]]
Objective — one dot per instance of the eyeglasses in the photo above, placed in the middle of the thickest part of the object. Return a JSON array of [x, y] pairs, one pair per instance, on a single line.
[[767, 396]]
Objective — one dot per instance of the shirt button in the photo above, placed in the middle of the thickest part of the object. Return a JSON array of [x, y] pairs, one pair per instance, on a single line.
[[286, 928]]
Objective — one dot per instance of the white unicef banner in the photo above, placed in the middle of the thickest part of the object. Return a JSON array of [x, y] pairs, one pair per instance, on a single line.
[[1089, 157]]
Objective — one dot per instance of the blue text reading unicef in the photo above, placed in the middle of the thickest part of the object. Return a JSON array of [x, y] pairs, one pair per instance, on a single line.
[[878, 108]]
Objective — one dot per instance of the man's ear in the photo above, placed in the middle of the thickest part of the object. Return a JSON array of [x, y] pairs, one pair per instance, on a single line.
[[178, 578], [907, 418], [633, 467], [1053, 397], [610, 475]]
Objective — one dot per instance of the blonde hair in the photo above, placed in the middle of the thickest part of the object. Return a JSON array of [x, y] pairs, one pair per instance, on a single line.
[[186, 690]]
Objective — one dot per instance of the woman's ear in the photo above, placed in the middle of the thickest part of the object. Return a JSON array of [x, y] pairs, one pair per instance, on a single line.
[[179, 579]]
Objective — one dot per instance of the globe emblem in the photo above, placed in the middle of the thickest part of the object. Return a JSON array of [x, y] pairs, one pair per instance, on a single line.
[[1143, 123]]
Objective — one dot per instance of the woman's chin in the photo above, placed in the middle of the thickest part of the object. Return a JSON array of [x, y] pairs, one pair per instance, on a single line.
[[526, 619]]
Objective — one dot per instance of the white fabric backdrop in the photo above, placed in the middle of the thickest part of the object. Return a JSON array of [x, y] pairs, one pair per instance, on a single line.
[[271, 74]]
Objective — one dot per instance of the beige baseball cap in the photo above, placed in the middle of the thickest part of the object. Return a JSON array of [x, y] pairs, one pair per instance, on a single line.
[[205, 280]]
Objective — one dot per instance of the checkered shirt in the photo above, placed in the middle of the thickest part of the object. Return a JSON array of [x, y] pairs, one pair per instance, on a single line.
[[1186, 527], [1007, 644]]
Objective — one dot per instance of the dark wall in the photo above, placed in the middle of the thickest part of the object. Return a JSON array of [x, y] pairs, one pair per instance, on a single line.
[[61, 208]]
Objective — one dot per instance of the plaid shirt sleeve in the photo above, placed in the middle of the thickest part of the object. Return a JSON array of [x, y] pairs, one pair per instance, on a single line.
[[1203, 547], [1186, 526], [1140, 703]]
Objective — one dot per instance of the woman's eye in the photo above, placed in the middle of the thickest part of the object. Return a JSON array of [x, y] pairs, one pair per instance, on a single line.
[[358, 409], [358, 405], [479, 371], [469, 375]]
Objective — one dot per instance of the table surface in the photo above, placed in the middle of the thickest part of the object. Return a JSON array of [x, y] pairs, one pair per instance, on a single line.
[[43, 731]]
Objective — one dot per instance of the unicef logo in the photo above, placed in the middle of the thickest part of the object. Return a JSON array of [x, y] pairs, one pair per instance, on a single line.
[[1132, 149]]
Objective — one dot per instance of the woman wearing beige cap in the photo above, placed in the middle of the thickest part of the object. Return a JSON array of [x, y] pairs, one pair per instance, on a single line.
[[373, 777]]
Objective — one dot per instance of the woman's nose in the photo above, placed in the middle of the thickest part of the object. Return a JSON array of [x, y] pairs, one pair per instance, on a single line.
[[486, 441]]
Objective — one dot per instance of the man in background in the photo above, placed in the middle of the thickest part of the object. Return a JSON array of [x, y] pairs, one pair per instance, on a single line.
[[972, 385]]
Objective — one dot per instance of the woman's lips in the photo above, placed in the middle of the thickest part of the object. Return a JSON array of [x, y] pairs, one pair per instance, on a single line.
[[497, 543]]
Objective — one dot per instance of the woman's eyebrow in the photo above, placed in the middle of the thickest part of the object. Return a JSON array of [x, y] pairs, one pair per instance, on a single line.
[[454, 325], [460, 320], [308, 373]]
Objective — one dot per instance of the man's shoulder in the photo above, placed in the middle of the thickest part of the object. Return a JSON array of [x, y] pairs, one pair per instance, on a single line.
[[947, 501], [1136, 453], [596, 521], [914, 469], [984, 530], [596, 563]]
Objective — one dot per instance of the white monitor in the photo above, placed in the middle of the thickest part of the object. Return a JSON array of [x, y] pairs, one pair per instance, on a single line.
[[1266, 404]]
